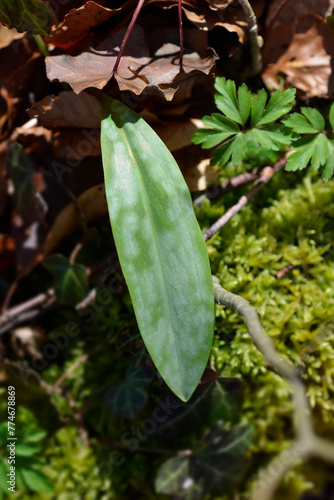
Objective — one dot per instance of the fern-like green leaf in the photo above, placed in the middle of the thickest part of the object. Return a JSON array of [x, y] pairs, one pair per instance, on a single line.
[[280, 103]]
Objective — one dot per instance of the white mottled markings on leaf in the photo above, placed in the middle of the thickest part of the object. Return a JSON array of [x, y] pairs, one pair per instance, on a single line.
[[160, 246]]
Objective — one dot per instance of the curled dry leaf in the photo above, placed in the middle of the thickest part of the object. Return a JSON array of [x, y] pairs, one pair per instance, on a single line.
[[78, 22], [206, 14], [138, 70]]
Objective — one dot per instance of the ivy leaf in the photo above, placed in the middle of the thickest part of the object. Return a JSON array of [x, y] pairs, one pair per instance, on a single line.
[[26, 15], [309, 122], [128, 398], [221, 399], [160, 247], [214, 469], [71, 283]]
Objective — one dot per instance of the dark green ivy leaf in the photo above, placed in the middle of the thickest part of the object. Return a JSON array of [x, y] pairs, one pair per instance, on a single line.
[[71, 284], [215, 468], [26, 15], [128, 398]]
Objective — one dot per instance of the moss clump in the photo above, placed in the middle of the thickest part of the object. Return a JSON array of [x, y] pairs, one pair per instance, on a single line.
[[297, 229]]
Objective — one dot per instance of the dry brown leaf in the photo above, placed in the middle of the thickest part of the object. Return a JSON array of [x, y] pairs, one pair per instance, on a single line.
[[78, 22], [92, 204], [177, 134], [13, 91], [305, 64], [195, 167], [138, 71], [296, 17], [299, 46], [206, 14], [7, 36], [68, 110]]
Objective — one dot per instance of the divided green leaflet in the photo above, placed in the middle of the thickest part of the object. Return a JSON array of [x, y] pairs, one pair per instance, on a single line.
[[160, 247]]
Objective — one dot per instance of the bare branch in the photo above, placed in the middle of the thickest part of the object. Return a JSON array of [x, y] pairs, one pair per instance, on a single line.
[[265, 177], [227, 186], [254, 40]]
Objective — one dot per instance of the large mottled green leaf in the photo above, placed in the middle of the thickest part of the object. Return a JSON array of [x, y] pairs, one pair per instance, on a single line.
[[26, 15], [160, 246]]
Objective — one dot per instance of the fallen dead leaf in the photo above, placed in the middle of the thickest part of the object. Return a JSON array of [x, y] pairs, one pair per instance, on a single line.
[[92, 204], [78, 22], [68, 110], [195, 167], [299, 46], [306, 64], [138, 71], [7, 36]]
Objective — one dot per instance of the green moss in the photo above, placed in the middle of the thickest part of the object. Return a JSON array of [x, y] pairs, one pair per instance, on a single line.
[[297, 229]]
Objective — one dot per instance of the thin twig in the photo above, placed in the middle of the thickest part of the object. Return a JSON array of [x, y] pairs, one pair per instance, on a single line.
[[33, 307], [254, 40], [307, 443], [227, 186], [8, 319], [79, 362], [265, 176], [80, 245], [145, 449]]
